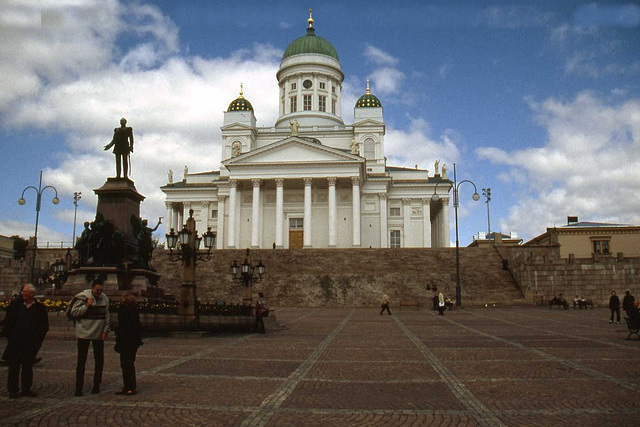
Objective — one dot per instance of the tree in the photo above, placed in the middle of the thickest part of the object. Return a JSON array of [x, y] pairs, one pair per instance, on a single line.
[[20, 246]]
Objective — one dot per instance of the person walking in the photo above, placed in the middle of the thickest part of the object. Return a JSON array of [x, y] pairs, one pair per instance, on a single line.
[[90, 312], [614, 306], [627, 303], [385, 305], [128, 339], [441, 306], [261, 312], [25, 326]]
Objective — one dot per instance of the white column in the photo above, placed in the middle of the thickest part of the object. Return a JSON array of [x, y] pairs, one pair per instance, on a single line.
[[426, 222], [356, 210], [407, 241], [333, 214], [186, 207], [384, 231], [179, 218], [444, 229], [279, 211], [306, 237], [255, 214], [231, 240], [220, 226], [169, 216]]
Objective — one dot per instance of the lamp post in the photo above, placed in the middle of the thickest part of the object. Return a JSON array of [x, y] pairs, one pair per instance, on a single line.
[[247, 273], [22, 201], [76, 196], [189, 254], [456, 203], [59, 272], [486, 192]]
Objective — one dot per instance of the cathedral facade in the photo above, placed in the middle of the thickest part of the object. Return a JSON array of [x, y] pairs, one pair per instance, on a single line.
[[311, 181]]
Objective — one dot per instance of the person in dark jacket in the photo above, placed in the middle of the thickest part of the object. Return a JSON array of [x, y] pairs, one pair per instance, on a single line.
[[128, 339], [627, 303], [614, 305], [25, 326]]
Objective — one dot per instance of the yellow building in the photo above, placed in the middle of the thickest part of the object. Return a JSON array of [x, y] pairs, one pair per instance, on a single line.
[[6, 247], [586, 239]]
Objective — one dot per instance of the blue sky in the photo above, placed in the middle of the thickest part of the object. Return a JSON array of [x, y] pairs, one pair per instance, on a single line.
[[539, 101]]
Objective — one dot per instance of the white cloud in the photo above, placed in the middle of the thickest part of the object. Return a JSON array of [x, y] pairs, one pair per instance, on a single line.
[[415, 146], [379, 57], [589, 166]]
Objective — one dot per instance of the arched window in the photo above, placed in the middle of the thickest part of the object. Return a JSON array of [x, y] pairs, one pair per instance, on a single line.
[[369, 149]]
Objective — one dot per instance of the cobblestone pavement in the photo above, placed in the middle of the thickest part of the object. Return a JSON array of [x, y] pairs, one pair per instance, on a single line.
[[347, 367]]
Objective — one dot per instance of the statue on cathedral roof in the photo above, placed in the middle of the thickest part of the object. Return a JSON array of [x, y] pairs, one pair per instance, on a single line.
[[294, 127]]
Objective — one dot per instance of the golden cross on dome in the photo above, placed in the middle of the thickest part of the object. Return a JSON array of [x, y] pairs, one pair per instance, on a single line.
[[368, 91], [240, 89], [310, 20]]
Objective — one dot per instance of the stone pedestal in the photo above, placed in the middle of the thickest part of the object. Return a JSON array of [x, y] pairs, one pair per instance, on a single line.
[[118, 200]]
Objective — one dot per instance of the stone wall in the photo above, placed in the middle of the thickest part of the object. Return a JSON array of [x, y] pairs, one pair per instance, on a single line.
[[541, 271]]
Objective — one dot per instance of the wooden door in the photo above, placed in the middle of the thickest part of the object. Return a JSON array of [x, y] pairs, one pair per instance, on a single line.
[[296, 239]]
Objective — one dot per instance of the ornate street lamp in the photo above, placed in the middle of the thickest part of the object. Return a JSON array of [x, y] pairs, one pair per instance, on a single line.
[[189, 253], [456, 203], [22, 201], [76, 196], [59, 271], [248, 274]]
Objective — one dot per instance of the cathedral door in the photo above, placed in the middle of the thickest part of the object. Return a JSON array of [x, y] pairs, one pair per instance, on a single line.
[[295, 239], [296, 233]]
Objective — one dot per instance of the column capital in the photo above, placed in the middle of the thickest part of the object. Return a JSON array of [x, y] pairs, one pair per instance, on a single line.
[[426, 201], [168, 205], [355, 180], [204, 203], [332, 180], [307, 182], [279, 182], [187, 205], [445, 200], [383, 196], [406, 201], [233, 183], [221, 197], [256, 182]]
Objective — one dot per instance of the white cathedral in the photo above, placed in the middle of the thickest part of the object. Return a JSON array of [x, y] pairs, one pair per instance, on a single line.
[[311, 181]]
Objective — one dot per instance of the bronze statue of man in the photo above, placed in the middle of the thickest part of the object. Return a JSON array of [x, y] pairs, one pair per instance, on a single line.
[[122, 144]]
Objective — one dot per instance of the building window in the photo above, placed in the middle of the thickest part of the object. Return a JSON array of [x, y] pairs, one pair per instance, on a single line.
[[293, 86], [369, 149], [333, 106], [296, 223], [394, 211], [322, 103], [214, 214], [293, 104], [323, 85], [601, 246], [333, 89], [306, 102], [394, 239]]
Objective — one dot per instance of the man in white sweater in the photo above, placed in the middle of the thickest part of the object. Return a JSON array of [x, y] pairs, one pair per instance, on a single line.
[[90, 311]]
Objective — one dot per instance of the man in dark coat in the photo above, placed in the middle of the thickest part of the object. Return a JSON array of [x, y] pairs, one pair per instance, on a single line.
[[128, 339], [614, 305], [627, 303], [122, 144], [26, 325]]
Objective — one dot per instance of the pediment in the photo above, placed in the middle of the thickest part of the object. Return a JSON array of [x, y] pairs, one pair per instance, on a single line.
[[293, 150], [236, 126], [369, 122]]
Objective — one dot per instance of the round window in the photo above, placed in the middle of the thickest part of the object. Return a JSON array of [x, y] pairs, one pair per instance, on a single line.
[[307, 84]]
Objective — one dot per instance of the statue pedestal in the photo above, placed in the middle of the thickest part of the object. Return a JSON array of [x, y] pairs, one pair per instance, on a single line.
[[118, 200]]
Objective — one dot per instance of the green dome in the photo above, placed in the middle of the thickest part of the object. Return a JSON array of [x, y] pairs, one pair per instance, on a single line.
[[310, 44], [240, 104], [368, 100]]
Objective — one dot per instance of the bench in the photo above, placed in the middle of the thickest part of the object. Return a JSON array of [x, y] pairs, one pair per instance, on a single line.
[[408, 303], [633, 329], [583, 304], [559, 303]]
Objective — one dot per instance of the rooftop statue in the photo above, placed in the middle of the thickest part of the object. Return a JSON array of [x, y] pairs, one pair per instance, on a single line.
[[122, 144]]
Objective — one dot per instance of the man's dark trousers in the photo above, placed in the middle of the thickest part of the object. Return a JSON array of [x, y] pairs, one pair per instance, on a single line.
[[98, 356]]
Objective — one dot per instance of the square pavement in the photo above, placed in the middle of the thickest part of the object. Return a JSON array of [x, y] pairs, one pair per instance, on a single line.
[[519, 366]]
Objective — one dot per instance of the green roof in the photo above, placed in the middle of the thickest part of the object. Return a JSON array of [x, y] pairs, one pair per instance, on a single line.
[[310, 44], [368, 100], [240, 104]]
